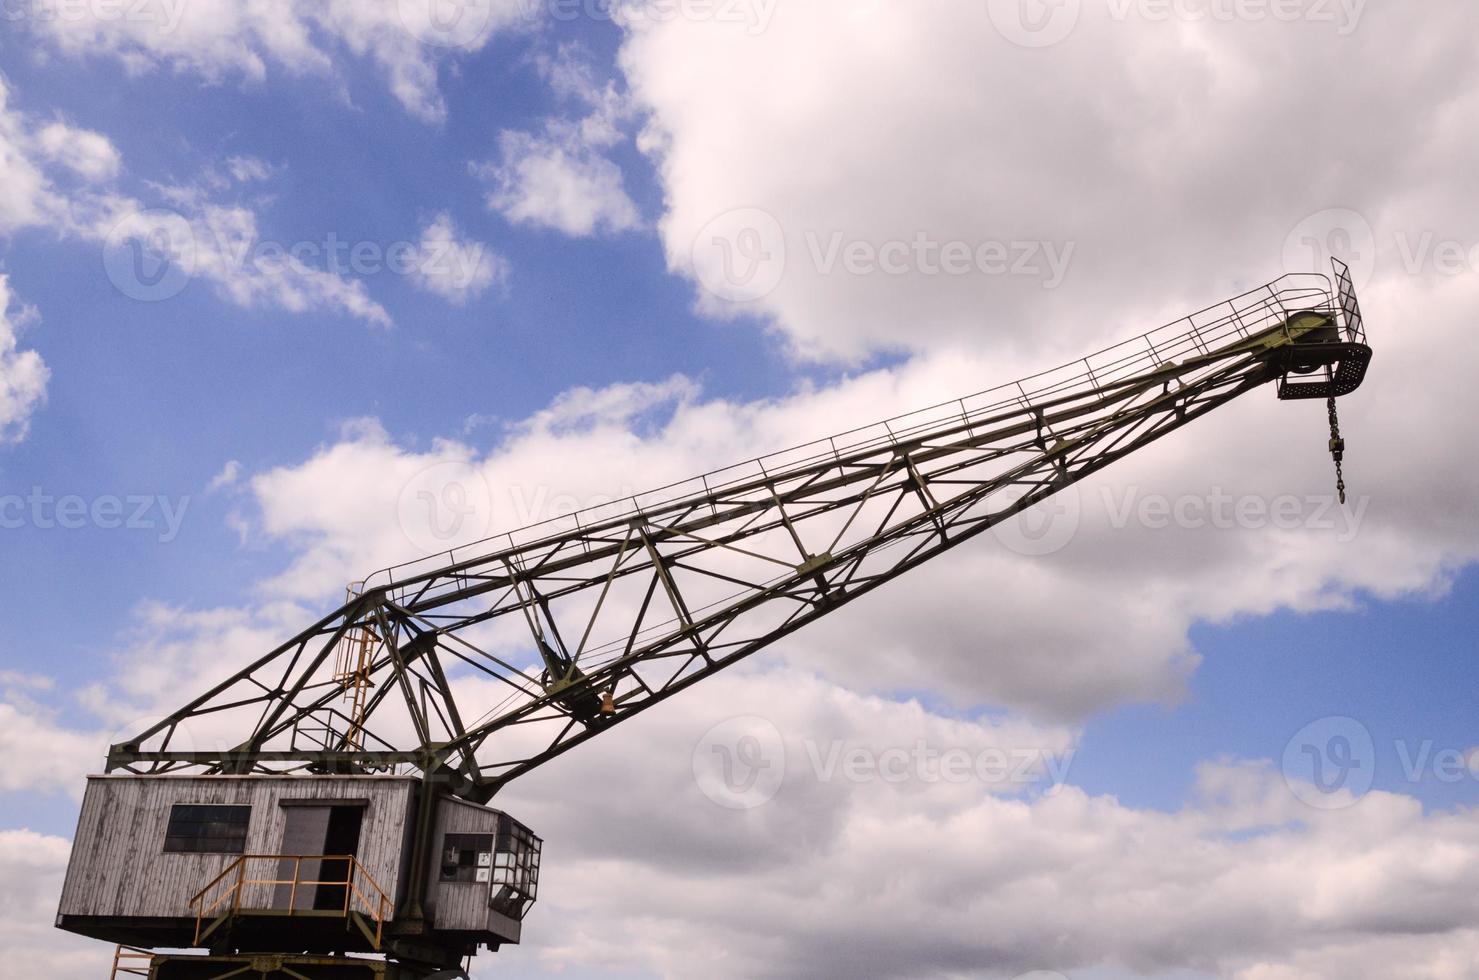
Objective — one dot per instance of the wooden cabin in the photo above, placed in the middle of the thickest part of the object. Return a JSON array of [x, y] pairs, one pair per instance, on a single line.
[[242, 863]]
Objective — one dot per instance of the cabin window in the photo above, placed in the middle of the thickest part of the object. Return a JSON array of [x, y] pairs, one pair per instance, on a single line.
[[467, 857], [206, 828]]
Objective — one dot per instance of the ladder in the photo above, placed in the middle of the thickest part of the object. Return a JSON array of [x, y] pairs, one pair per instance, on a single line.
[[131, 962]]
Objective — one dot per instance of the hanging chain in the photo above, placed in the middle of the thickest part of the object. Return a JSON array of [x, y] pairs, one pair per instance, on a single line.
[[1337, 450]]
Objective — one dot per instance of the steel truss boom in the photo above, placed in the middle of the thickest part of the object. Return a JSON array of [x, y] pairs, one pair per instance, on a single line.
[[483, 663]]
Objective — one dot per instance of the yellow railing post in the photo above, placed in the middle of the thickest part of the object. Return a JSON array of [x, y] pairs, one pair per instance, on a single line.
[[379, 907]]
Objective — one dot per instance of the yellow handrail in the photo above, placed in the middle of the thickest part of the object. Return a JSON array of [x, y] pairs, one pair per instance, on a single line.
[[375, 902]]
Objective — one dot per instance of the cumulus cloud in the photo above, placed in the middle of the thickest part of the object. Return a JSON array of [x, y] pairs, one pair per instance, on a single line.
[[30, 197], [23, 374], [904, 867], [560, 177], [551, 181], [1017, 618], [43, 754], [226, 478], [248, 168], [223, 40], [927, 877], [151, 253], [824, 131], [31, 870], [1135, 152], [453, 268], [90, 155], [919, 878]]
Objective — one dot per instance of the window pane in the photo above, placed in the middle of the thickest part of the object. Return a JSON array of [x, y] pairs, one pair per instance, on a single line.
[[196, 828]]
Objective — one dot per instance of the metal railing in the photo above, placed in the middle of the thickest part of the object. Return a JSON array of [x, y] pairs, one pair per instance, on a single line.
[[231, 886], [1218, 327]]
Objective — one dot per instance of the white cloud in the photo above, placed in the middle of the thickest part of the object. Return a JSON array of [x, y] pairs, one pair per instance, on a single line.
[[88, 154], [824, 128], [915, 880], [225, 241], [456, 270], [223, 40], [559, 178], [248, 168], [549, 181], [31, 870], [226, 478], [1040, 643], [42, 754], [149, 253], [28, 197], [921, 878], [23, 375], [1141, 144], [910, 873]]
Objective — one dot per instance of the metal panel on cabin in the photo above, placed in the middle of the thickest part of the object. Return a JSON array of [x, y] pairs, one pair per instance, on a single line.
[[462, 873], [119, 867]]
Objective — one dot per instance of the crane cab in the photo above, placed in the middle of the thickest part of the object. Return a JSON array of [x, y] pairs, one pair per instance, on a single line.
[[326, 865]]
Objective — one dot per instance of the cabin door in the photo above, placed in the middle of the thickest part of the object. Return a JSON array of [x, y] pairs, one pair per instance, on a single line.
[[313, 838]]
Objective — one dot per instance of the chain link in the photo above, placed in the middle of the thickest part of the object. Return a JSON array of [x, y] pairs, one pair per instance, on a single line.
[[1337, 449]]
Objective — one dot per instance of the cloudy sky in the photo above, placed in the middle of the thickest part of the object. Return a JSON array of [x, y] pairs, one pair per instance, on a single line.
[[270, 270]]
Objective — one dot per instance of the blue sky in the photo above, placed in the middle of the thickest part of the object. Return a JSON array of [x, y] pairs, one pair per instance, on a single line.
[[575, 313], [249, 434]]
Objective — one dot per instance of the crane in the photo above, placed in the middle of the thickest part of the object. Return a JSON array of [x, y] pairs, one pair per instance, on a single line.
[[470, 668]]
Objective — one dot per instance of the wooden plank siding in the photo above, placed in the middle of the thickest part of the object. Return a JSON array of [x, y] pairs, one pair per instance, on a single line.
[[119, 867], [459, 905]]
